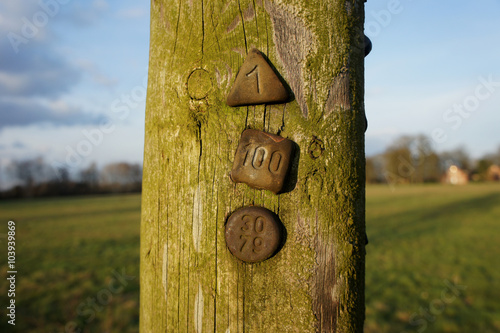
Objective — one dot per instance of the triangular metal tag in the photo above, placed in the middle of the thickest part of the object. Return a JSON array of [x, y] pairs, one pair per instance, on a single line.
[[256, 83]]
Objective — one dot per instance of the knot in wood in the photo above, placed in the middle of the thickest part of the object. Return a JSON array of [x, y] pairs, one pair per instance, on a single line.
[[199, 84], [316, 148]]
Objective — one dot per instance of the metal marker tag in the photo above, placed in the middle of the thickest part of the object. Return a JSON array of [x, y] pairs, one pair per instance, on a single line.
[[256, 83], [253, 234], [262, 160]]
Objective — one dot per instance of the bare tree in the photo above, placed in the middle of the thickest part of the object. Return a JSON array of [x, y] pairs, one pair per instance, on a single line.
[[399, 162], [459, 157], [30, 171], [121, 175], [411, 159], [90, 175], [375, 169]]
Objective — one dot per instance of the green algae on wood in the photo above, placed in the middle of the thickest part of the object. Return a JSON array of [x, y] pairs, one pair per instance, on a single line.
[[189, 280]]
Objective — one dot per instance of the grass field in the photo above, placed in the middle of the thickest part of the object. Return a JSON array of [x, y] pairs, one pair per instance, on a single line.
[[433, 262], [75, 259]]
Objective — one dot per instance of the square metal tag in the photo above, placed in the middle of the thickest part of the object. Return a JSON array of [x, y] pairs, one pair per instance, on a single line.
[[262, 160]]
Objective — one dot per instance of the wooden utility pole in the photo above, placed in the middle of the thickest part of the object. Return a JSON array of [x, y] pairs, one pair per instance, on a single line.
[[190, 280]]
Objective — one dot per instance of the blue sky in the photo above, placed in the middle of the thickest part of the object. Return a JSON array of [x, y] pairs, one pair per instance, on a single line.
[[73, 74], [72, 80], [429, 60]]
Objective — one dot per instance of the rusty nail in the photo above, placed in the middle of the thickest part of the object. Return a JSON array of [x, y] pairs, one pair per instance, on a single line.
[[368, 45]]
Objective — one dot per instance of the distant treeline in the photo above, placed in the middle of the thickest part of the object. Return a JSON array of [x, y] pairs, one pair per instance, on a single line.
[[36, 178], [412, 159]]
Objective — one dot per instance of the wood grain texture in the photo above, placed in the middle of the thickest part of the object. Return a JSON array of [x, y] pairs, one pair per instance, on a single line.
[[190, 282]]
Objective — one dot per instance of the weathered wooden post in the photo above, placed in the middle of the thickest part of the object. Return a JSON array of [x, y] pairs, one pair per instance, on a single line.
[[194, 179]]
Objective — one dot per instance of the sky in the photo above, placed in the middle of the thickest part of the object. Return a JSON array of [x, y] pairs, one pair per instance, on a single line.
[[434, 70], [73, 77]]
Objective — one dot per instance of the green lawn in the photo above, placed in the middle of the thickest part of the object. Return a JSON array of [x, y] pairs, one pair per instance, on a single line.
[[433, 262], [72, 254]]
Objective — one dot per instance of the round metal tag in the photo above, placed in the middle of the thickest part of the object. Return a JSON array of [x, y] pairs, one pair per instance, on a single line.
[[253, 234]]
